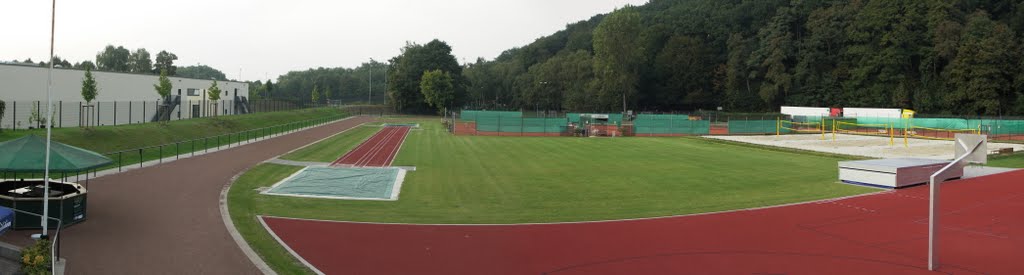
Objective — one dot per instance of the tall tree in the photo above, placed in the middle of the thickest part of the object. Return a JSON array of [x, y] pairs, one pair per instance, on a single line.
[[618, 55], [438, 89], [404, 76], [886, 41], [114, 59], [684, 75], [201, 72], [984, 69], [774, 58], [60, 63], [256, 89], [139, 61], [85, 65], [268, 89], [165, 61], [739, 91]]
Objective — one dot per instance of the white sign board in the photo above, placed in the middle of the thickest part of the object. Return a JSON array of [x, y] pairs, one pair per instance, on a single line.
[[872, 112], [804, 111]]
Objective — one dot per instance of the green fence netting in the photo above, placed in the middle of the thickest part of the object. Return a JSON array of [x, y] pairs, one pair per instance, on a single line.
[[514, 122], [753, 127], [1003, 127], [545, 125], [670, 124], [473, 115]]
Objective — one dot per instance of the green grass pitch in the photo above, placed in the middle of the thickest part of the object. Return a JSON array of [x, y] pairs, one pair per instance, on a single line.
[[466, 179], [461, 179]]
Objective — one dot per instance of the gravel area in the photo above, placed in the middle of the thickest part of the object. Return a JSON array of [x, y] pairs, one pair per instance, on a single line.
[[867, 146]]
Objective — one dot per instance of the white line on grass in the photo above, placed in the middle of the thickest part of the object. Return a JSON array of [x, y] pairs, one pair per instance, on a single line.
[[225, 216]]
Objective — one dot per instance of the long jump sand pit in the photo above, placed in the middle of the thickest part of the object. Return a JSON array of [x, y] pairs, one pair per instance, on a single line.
[[866, 146]]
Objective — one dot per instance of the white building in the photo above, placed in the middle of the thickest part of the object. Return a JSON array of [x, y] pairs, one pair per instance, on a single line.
[[123, 98]]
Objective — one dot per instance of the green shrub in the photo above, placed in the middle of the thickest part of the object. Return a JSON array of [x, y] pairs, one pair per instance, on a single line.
[[35, 259]]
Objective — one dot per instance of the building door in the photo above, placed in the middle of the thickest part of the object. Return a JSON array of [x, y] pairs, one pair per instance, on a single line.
[[195, 110]]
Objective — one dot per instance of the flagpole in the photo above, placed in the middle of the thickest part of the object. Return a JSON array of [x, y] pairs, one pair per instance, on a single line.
[[49, 125]]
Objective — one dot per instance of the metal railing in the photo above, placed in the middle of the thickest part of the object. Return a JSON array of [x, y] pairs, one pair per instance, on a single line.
[[203, 145], [139, 156], [23, 115]]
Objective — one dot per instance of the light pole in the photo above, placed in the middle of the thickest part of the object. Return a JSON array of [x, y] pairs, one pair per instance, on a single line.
[[49, 123], [369, 98]]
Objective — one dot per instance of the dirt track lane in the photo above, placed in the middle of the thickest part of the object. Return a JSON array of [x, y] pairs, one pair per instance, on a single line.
[[165, 219]]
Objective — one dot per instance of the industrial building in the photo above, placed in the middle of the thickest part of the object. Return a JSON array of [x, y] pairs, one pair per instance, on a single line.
[[123, 98]]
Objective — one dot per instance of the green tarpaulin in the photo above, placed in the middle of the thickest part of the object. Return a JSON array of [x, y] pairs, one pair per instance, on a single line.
[[27, 154]]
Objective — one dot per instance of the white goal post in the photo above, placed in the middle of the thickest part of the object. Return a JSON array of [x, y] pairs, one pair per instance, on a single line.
[[969, 148]]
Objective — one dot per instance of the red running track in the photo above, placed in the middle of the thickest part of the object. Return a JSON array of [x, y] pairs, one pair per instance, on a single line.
[[377, 151], [982, 232]]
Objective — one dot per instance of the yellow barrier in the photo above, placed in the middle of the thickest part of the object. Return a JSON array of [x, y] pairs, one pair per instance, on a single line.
[[880, 130], [949, 133], [809, 127]]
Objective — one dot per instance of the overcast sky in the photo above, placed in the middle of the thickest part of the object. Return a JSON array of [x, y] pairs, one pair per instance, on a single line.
[[264, 38]]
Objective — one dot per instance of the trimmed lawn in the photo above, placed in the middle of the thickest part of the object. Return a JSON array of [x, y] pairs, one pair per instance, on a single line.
[[466, 179], [1011, 161], [334, 147]]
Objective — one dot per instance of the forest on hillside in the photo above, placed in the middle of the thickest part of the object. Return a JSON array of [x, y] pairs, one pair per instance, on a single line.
[[935, 56], [344, 85]]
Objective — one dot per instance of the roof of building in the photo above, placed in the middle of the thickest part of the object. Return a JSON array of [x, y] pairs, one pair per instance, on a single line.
[[34, 65]]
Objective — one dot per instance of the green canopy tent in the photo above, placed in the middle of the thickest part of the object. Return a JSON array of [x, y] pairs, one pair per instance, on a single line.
[[27, 155]]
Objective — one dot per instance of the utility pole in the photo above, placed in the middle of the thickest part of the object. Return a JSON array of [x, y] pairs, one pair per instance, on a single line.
[[369, 99]]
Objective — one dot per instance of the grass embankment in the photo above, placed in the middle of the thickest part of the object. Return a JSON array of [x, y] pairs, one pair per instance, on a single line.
[[466, 179], [110, 139]]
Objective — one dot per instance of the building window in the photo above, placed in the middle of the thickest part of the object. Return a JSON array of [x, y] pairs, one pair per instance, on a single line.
[[193, 92]]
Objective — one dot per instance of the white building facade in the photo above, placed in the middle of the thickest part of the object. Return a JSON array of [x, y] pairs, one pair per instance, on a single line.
[[123, 98]]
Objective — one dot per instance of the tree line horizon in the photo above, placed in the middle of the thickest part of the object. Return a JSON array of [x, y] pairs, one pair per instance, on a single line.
[[960, 57]]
